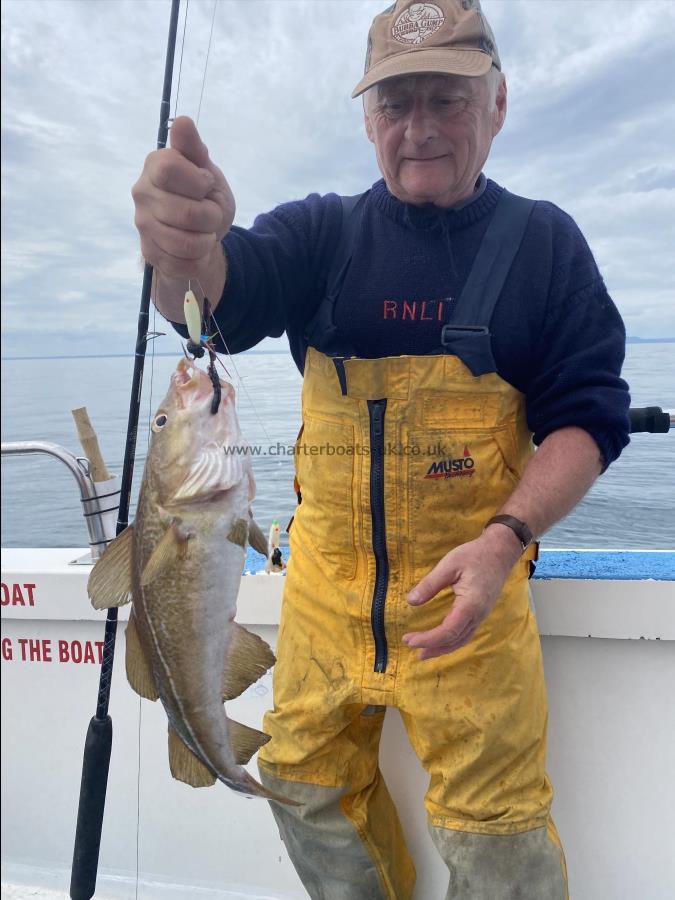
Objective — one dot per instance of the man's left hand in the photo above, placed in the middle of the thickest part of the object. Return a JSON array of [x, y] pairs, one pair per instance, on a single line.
[[476, 571]]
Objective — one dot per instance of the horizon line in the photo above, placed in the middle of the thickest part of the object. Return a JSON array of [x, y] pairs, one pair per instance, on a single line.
[[131, 355], [252, 352]]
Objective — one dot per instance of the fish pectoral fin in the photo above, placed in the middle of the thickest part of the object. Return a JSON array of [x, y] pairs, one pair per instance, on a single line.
[[238, 532], [256, 538], [172, 547], [248, 658], [139, 673], [185, 766], [110, 580], [245, 741]]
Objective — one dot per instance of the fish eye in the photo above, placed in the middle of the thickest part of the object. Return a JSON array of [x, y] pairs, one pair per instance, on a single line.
[[160, 422]]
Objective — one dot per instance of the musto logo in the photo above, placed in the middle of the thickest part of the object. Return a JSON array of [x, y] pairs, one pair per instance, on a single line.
[[417, 23], [452, 468]]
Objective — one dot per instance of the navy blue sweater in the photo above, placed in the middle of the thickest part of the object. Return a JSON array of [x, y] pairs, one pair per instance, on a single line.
[[556, 334]]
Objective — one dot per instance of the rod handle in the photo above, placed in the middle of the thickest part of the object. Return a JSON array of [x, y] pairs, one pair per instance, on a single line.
[[95, 766], [649, 418], [89, 442]]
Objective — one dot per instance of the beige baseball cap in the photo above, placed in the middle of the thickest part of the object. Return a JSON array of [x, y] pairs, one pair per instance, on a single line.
[[449, 37]]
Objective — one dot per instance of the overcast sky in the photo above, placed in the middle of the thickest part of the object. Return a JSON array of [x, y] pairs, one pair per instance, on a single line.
[[591, 127]]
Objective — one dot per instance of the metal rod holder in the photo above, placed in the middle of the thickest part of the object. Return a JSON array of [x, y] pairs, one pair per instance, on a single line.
[[79, 469]]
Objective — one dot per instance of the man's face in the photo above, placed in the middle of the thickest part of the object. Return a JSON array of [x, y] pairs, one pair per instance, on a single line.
[[432, 134]]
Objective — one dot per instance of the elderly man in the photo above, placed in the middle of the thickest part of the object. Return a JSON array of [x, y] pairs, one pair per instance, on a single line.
[[443, 326]]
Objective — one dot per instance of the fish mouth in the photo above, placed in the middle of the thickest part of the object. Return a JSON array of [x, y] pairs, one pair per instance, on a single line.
[[186, 372], [192, 385]]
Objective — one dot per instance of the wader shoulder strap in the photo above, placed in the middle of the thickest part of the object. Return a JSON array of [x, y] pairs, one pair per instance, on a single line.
[[468, 333], [352, 208], [493, 261], [321, 331]]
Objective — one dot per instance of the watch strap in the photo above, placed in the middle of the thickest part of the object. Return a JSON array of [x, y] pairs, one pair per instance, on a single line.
[[521, 530]]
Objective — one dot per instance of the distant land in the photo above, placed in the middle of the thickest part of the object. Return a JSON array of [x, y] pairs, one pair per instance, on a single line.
[[639, 340]]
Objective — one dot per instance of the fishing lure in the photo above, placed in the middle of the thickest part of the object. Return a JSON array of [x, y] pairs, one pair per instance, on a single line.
[[199, 342], [193, 320]]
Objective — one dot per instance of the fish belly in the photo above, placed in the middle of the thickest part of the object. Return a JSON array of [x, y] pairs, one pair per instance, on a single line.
[[185, 620]]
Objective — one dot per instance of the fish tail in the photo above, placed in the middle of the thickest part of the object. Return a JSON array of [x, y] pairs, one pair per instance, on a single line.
[[246, 784]]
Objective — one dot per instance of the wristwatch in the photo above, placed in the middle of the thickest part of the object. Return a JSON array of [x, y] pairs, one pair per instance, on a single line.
[[521, 530]]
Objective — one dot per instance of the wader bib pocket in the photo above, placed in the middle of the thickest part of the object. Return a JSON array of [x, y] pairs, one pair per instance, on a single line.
[[458, 478], [324, 521]]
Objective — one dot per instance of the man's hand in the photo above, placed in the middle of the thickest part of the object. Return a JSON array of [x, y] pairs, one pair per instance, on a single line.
[[476, 571], [555, 479], [184, 208]]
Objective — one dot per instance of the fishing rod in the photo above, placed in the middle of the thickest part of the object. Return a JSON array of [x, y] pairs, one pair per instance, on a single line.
[[98, 742]]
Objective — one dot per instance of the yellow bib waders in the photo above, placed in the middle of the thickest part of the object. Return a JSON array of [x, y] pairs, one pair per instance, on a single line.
[[400, 460]]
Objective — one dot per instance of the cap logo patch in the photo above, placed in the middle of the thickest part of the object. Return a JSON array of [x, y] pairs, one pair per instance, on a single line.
[[417, 23]]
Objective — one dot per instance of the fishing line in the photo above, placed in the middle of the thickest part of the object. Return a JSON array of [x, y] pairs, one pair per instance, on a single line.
[[234, 366], [138, 796], [98, 742], [236, 370], [140, 699], [180, 64], [152, 354], [208, 51]]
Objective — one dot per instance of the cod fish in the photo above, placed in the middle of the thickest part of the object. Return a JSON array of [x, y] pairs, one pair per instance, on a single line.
[[180, 564]]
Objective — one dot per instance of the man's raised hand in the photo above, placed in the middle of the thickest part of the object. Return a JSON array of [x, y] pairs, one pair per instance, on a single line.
[[184, 207]]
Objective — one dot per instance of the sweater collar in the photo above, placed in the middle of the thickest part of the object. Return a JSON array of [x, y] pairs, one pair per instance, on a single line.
[[433, 218]]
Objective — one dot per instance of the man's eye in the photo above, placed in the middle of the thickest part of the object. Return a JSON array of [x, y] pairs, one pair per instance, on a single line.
[[449, 104], [394, 107]]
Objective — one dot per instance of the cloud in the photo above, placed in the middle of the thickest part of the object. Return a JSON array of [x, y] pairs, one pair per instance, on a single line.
[[590, 126]]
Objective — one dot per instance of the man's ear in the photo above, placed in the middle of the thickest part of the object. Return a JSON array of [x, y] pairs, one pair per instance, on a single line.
[[369, 127], [500, 107]]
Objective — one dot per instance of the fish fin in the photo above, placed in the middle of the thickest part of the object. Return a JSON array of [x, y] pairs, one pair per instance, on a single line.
[[251, 484], [256, 538], [139, 674], [248, 658], [238, 532], [110, 580], [250, 786], [245, 741], [172, 546], [185, 766]]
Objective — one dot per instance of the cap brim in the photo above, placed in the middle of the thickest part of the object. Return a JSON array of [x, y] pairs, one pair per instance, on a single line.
[[457, 61]]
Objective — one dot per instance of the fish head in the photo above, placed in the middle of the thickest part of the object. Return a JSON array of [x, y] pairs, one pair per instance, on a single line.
[[195, 454]]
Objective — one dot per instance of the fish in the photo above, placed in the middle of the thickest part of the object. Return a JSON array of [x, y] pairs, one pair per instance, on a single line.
[[180, 565]]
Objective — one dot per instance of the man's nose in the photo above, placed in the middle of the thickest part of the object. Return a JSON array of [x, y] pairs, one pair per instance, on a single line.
[[421, 125]]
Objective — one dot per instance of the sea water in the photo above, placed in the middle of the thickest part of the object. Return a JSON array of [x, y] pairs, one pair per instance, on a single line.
[[631, 506]]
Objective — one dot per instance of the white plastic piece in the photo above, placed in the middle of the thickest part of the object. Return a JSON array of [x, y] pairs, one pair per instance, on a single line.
[[109, 504]]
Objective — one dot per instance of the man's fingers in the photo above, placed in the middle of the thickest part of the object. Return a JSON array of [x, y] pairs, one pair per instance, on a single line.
[[184, 138], [441, 576], [174, 174], [439, 644], [204, 216], [170, 265], [450, 648], [453, 628], [187, 245]]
